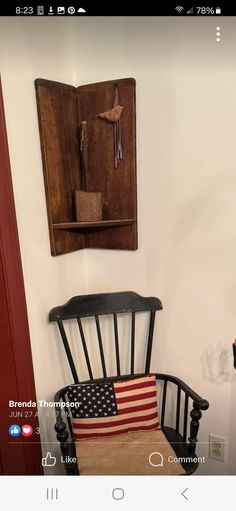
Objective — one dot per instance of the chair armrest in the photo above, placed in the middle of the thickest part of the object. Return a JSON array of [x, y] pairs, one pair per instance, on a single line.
[[201, 403], [198, 404]]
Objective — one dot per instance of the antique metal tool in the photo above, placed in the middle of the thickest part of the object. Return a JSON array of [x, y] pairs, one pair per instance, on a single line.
[[88, 204], [117, 133], [114, 116], [84, 152]]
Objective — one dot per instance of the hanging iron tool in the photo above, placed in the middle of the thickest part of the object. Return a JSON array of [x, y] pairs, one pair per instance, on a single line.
[[117, 133], [84, 152], [114, 116]]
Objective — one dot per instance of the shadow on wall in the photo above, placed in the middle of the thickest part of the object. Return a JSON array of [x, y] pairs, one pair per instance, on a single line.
[[218, 363]]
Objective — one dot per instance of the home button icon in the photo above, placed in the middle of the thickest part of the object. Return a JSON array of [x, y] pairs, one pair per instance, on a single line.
[[118, 493]]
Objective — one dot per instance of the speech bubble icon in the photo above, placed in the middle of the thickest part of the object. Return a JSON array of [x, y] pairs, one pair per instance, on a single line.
[[157, 459]]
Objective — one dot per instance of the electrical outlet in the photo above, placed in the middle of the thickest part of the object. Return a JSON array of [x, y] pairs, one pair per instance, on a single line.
[[217, 447]]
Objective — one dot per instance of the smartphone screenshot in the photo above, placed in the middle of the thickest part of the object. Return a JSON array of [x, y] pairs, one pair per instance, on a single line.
[[117, 256]]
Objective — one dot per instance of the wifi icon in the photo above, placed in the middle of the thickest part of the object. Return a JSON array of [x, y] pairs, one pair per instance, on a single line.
[[179, 9]]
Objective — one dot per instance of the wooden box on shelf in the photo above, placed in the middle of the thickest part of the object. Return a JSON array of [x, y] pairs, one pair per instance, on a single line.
[[88, 206], [106, 215]]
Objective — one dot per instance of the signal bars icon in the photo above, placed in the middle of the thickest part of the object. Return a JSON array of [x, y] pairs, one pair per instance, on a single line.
[[179, 9]]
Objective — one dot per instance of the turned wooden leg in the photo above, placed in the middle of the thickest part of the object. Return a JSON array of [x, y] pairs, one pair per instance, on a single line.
[[67, 448], [62, 437], [195, 415]]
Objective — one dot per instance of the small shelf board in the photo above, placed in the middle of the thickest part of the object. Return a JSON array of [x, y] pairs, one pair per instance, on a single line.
[[61, 110], [87, 225]]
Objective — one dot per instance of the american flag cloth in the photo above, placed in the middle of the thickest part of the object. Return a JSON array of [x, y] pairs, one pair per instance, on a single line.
[[114, 408]]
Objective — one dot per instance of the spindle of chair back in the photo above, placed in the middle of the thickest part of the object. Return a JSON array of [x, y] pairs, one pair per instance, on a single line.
[[96, 305]]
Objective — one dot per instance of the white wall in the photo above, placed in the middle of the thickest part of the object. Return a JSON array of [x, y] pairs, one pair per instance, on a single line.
[[186, 106], [186, 193]]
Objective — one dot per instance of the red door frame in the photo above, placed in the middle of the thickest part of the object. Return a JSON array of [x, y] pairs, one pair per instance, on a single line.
[[17, 456]]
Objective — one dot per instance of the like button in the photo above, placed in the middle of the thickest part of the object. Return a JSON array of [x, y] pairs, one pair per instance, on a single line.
[[49, 460]]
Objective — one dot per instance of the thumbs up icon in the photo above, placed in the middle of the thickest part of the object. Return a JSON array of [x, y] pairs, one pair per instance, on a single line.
[[49, 460], [14, 430]]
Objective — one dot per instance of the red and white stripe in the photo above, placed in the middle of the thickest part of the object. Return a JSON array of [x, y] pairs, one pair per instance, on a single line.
[[137, 411]]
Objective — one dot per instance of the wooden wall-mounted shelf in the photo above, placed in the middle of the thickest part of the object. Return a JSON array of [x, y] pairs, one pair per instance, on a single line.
[[61, 108], [99, 223]]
